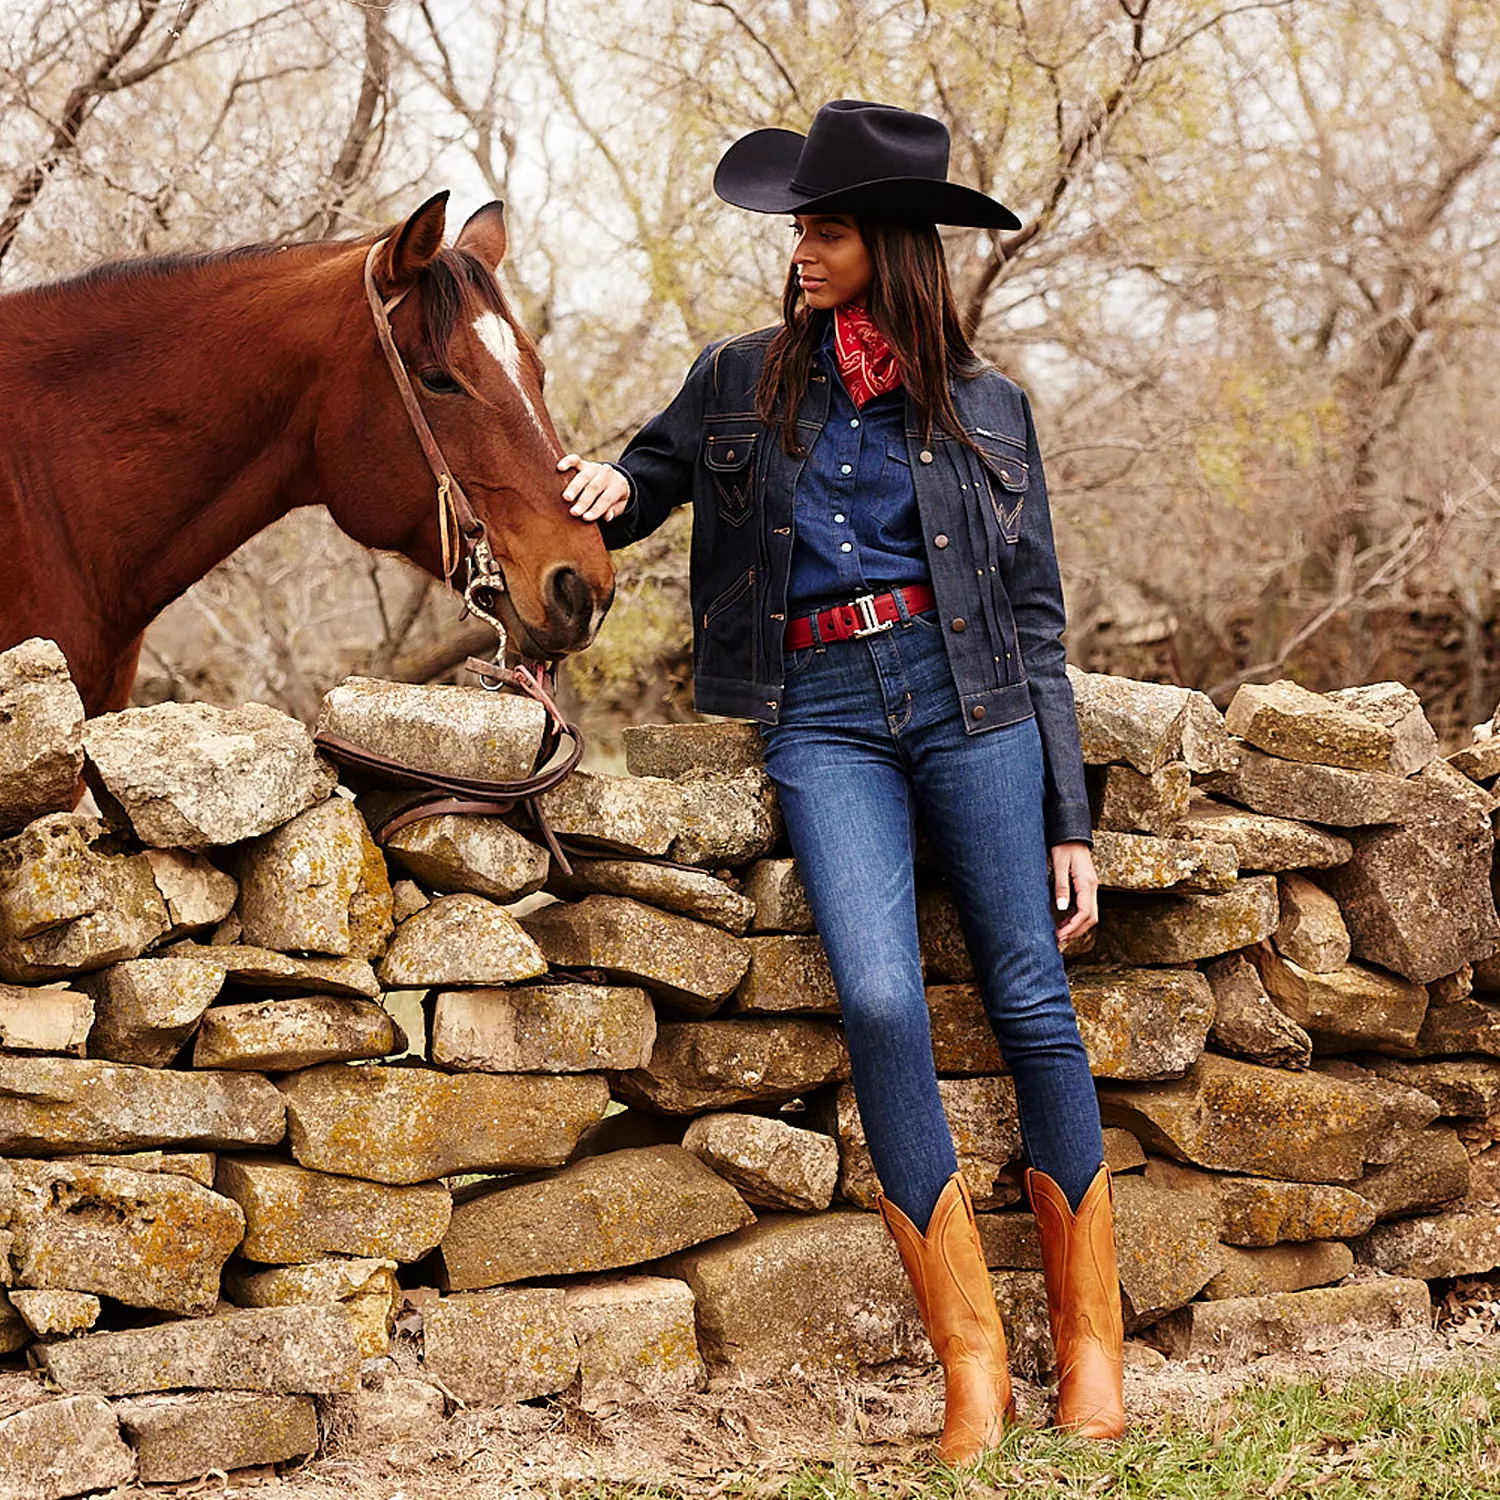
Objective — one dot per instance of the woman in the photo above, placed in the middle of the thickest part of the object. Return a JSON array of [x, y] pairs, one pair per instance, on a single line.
[[874, 581]]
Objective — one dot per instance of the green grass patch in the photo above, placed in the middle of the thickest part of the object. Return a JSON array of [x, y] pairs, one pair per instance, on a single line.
[[1423, 1437]]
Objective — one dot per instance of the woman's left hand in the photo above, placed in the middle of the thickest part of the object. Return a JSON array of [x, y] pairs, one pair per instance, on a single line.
[[1075, 884]]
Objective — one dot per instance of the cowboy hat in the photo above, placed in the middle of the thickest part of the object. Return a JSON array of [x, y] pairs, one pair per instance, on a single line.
[[857, 158]]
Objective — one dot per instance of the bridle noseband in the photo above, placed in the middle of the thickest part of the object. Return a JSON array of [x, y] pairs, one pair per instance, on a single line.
[[461, 530]]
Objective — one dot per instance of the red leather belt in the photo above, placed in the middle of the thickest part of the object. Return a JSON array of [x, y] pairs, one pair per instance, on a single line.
[[867, 615]]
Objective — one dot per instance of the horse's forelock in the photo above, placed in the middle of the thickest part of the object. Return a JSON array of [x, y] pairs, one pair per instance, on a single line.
[[452, 282]]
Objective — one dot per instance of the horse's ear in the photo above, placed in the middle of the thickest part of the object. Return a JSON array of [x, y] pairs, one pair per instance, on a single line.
[[485, 235], [412, 246]]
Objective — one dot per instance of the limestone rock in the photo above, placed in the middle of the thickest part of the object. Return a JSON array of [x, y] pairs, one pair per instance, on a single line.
[[1145, 862], [41, 749], [726, 820], [693, 966], [1463, 1242], [52, 1020], [624, 814], [1432, 1173], [702, 1065], [297, 1032], [59, 1448], [773, 1164], [454, 731], [1122, 1152], [293, 1215], [1466, 1087], [1311, 929], [1240, 1328], [787, 974], [1453, 987], [191, 776], [460, 940], [1452, 1030], [596, 1214], [196, 1166], [1167, 1247], [554, 1028], [1147, 724], [1479, 761], [779, 896], [689, 893], [1355, 1007], [198, 894], [389, 1410], [14, 1334], [307, 1350], [402, 1125], [636, 1339], [1417, 899], [365, 1287], [1236, 1117], [260, 969], [1407, 1111], [1283, 718], [213, 1432], [1246, 1023], [1279, 1268], [1181, 929], [1131, 802], [68, 904], [945, 954], [1262, 841], [53, 1105], [493, 1347], [1141, 1023], [316, 884], [467, 852], [1394, 706], [147, 1239], [986, 1137], [52, 1315], [963, 1041], [407, 899], [146, 1008], [1258, 1211], [674, 750], [795, 1293]]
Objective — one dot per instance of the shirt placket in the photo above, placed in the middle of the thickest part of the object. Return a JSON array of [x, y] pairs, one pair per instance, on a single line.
[[843, 490]]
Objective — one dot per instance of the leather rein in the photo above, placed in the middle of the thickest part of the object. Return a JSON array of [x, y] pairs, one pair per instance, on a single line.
[[464, 537]]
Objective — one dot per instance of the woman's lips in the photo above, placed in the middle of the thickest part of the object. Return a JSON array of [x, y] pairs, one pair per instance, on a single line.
[[810, 283]]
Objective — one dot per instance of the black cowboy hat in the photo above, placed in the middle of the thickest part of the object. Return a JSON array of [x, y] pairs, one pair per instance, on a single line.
[[857, 158]]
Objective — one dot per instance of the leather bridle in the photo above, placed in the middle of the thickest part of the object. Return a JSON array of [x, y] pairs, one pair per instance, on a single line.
[[461, 530]]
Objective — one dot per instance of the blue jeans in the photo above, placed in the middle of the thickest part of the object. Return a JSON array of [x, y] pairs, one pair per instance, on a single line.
[[871, 734]]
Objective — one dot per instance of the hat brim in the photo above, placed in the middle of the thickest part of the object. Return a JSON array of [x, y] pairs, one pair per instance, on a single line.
[[757, 171]]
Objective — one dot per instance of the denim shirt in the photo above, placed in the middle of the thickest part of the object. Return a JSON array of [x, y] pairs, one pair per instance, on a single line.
[[855, 522], [986, 529]]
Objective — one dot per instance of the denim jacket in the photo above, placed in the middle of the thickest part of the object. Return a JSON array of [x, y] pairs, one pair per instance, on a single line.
[[985, 524]]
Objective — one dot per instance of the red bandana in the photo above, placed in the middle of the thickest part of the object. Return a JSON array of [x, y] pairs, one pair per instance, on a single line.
[[867, 363]]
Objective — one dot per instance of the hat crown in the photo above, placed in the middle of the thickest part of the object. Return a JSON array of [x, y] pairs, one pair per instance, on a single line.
[[852, 141]]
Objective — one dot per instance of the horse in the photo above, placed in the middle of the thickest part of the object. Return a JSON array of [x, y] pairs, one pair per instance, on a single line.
[[158, 413]]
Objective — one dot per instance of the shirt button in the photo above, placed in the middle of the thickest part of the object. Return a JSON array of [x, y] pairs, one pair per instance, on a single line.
[[940, 540], [843, 468], [839, 518], [959, 626], [925, 455], [977, 711], [854, 421], [846, 546]]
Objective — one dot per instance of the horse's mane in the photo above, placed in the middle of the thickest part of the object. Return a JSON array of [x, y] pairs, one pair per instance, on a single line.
[[443, 283]]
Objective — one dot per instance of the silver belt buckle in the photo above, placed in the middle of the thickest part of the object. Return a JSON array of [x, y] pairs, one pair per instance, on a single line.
[[873, 625]]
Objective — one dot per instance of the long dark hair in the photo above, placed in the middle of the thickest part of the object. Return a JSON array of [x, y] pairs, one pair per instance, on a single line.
[[911, 301]]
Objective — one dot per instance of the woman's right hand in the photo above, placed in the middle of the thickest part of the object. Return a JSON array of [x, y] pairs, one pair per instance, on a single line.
[[597, 492]]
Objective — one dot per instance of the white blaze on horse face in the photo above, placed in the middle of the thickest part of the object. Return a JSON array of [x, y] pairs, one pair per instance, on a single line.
[[500, 339]]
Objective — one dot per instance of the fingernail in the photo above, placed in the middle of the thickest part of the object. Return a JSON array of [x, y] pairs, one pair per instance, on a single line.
[[1062, 903]]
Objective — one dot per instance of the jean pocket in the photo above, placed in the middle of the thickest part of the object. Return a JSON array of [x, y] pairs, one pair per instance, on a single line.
[[1006, 476], [727, 451], [793, 662]]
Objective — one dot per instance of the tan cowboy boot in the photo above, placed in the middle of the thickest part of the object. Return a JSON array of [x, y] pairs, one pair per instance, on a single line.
[[957, 1303], [1083, 1303]]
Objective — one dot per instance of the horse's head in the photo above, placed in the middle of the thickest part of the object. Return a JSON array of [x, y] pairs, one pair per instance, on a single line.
[[478, 380]]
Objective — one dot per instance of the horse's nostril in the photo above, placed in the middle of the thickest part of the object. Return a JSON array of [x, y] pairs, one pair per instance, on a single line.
[[573, 598]]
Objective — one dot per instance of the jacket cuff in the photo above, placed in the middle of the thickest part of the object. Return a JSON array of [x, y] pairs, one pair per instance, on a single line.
[[621, 531], [1069, 822]]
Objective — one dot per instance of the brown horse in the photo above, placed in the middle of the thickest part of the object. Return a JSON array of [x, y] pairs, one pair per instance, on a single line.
[[156, 414]]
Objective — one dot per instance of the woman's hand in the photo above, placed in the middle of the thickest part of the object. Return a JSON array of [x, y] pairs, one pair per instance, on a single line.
[[1075, 884], [597, 492]]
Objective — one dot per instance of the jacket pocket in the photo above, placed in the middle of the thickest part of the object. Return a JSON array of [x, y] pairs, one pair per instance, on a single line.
[[727, 451], [727, 636], [1006, 475]]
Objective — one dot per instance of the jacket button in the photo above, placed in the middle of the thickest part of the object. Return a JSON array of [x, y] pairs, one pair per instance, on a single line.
[[925, 455], [730, 454], [940, 540], [960, 626], [977, 711], [1004, 473]]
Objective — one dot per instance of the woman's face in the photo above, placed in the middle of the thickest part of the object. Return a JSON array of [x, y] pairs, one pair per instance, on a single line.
[[832, 262]]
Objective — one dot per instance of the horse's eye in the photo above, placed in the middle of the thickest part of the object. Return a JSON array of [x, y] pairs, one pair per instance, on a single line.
[[440, 383]]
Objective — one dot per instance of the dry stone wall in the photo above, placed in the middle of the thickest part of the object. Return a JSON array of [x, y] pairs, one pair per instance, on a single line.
[[614, 1150]]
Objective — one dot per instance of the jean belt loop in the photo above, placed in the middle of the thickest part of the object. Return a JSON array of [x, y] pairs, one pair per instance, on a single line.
[[902, 612], [818, 642]]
